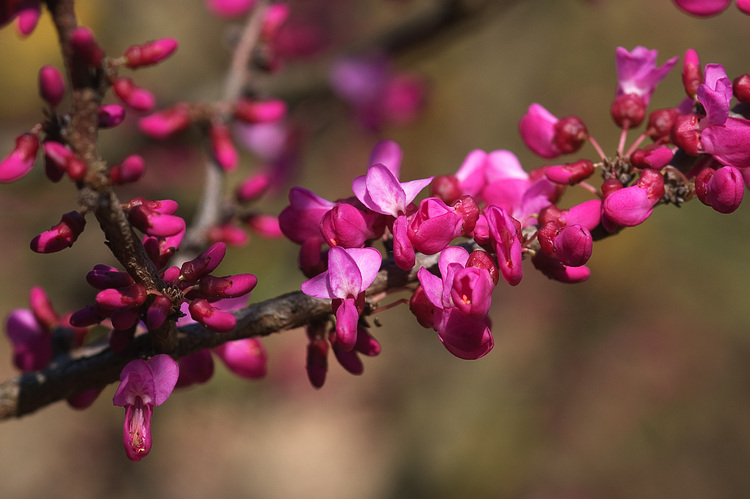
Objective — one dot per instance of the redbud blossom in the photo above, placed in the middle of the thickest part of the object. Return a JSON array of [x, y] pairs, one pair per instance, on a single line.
[[32, 346], [435, 225], [317, 361], [103, 277], [637, 72], [632, 205], [51, 85], [19, 162], [571, 173], [660, 123], [143, 385], [85, 47], [253, 187], [149, 53], [350, 272], [692, 75], [246, 357], [554, 269], [151, 222], [130, 296], [628, 110], [741, 87], [222, 146], [130, 170], [213, 318], [265, 225], [573, 245], [111, 115], [505, 236], [59, 160], [158, 312], [162, 124], [252, 111], [219, 288], [721, 189], [60, 236], [195, 368], [133, 96], [204, 263]]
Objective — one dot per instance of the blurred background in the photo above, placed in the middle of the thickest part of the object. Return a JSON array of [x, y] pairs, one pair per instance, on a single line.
[[633, 384]]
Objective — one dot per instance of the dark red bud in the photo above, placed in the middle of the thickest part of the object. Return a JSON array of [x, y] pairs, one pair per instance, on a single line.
[[446, 188], [628, 110], [570, 134], [660, 123]]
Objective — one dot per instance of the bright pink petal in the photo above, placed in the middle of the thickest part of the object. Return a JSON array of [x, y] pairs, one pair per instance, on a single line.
[[703, 8]]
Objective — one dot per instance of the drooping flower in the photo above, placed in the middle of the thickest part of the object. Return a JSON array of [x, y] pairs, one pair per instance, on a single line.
[[350, 272], [143, 385]]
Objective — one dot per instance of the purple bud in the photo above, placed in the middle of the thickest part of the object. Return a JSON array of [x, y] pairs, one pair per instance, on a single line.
[[253, 187], [149, 53], [158, 311], [571, 173], [213, 318], [19, 162], [573, 246], [628, 110], [129, 296], [317, 361], [722, 189], [246, 357], [104, 276], [204, 263], [162, 124], [222, 147], [51, 85], [85, 47], [61, 236], [111, 115], [251, 111], [133, 96], [153, 223], [130, 170], [217, 288]]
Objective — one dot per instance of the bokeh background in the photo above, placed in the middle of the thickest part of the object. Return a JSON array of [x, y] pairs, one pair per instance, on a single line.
[[633, 384]]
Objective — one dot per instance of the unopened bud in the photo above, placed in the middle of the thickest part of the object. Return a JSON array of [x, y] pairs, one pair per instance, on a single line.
[[133, 295], [61, 236], [133, 96], [19, 162], [222, 147], [570, 134], [571, 173], [162, 124], [51, 85], [213, 318], [85, 47], [130, 170], [686, 134], [483, 260], [252, 111], [628, 110], [111, 115], [204, 263], [149, 53], [692, 75], [660, 123], [741, 88], [447, 188]]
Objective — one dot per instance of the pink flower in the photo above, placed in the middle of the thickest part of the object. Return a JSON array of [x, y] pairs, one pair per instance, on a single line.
[[707, 8], [143, 385], [505, 236], [149, 53], [19, 162], [229, 8], [721, 189], [461, 300], [632, 205], [350, 272], [246, 358], [637, 72]]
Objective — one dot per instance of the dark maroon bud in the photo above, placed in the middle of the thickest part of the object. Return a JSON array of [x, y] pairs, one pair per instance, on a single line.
[[570, 134], [446, 188], [628, 110], [482, 260], [660, 123]]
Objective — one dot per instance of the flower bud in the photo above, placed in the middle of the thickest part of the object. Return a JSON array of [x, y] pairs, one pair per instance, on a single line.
[[219, 288], [628, 110], [19, 162], [153, 223], [317, 361], [571, 173], [570, 134], [721, 189], [366, 344], [482, 260], [61, 236], [222, 147], [467, 207], [158, 312], [85, 47], [195, 369], [447, 188], [59, 159], [130, 170], [213, 318], [111, 115], [51, 85], [253, 187], [252, 111], [552, 268], [246, 358], [133, 295], [686, 134], [162, 124], [204, 263], [84, 399], [133, 96], [660, 123], [741, 88], [265, 225], [652, 157], [149, 53], [692, 75], [42, 308], [229, 8], [422, 308], [348, 359], [573, 245], [104, 277]]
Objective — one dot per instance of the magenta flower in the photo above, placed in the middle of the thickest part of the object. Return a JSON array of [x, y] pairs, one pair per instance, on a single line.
[[246, 358], [350, 272], [19, 162], [150, 52], [461, 301], [143, 385], [721, 189], [229, 8], [637, 72], [505, 236], [632, 205]]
